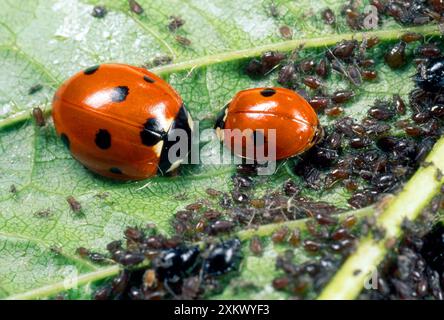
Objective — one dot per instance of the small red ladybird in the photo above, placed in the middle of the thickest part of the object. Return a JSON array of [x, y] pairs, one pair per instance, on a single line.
[[260, 109], [119, 120]]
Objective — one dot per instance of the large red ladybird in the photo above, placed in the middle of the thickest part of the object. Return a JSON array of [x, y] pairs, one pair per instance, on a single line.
[[116, 120], [256, 110]]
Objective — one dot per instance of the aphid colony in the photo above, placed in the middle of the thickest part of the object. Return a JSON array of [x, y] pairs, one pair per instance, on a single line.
[[175, 269]]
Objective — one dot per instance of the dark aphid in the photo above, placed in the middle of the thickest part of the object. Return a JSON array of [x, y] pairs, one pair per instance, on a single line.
[[130, 259], [35, 88], [380, 111], [242, 182], [329, 16], [371, 42], [413, 131], [342, 96], [82, 252], [74, 204], [120, 282], [45, 213], [429, 50], [162, 60], [223, 257], [271, 59], [96, 257], [12, 188], [103, 293], [344, 49], [213, 192], [38, 116], [268, 61], [380, 5], [411, 37], [319, 103], [286, 74], [324, 219], [290, 188], [353, 18], [399, 104], [99, 12], [424, 148], [175, 23], [334, 111], [359, 142], [421, 117], [340, 234], [286, 32], [395, 57], [369, 74], [337, 66], [280, 283], [196, 206], [311, 246], [307, 65], [221, 226], [274, 12], [322, 68], [173, 264], [212, 214], [312, 82], [256, 245], [135, 7], [183, 41], [280, 235], [354, 75], [295, 237], [133, 234], [114, 246], [437, 110], [431, 75], [366, 63]]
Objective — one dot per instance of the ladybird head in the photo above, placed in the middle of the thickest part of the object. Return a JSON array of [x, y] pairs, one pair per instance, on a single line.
[[184, 123]]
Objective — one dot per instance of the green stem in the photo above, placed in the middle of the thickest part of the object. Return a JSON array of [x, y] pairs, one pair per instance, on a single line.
[[268, 229], [383, 35], [416, 194], [53, 289]]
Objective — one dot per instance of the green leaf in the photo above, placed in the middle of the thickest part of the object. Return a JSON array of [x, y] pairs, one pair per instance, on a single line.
[[45, 42]]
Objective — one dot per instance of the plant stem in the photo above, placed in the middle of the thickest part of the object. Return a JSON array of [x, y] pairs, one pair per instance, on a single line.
[[53, 289], [408, 204], [285, 46]]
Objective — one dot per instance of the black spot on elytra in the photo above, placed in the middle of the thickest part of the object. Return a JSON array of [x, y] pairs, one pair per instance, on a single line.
[[152, 132], [220, 118], [119, 93], [115, 170], [103, 139], [180, 122], [148, 79], [91, 70], [65, 140], [268, 92]]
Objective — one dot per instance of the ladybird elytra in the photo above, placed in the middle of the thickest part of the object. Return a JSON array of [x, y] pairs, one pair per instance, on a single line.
[[116, 119], [260, 109]]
